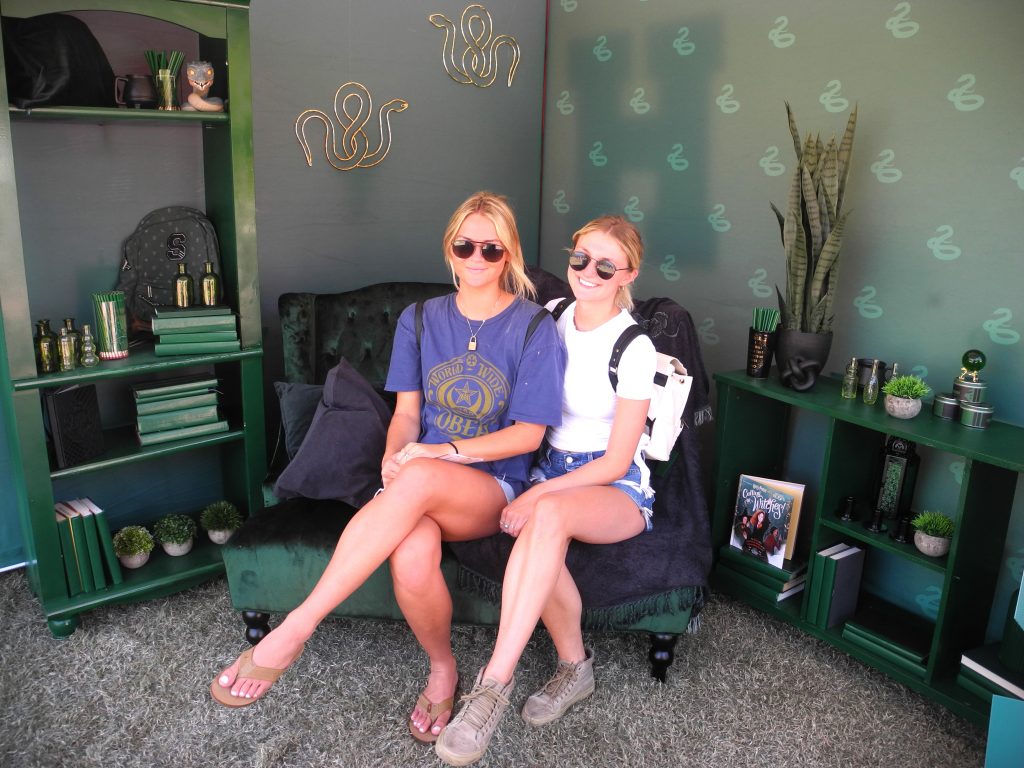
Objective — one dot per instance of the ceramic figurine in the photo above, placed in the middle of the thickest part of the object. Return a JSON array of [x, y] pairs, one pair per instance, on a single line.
[[200, 77]]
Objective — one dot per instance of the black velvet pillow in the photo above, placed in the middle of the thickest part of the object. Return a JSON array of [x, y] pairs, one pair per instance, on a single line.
[[298, 406], [340, 456]]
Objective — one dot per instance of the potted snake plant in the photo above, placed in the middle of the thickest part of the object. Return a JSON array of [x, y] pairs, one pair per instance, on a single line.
[[812, 236]]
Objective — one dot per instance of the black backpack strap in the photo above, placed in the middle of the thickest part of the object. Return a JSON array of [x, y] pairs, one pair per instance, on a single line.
[[559, 308], [535, 322], [419, 322], [621, 343]]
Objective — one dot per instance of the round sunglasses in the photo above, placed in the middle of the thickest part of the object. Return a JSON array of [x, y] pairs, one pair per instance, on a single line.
[[492, 252], [606, 268]]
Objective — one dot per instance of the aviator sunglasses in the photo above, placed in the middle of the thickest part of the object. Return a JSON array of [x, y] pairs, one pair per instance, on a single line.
[[606, 269], [492, 252]]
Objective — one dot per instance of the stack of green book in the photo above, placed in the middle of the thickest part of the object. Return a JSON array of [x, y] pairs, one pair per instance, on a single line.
[[984, 674], [907, 654], [747, 573], [173, 409], [195, 330], [86, 546]]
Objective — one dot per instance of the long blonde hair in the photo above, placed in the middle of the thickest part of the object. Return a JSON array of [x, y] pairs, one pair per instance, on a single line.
[[498, 211], [629, 240]]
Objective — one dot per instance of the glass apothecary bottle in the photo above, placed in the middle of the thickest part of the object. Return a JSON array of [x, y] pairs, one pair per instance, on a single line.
[[66, 350], [75, 334], [871, 388], [45, 345], [849, 389], [184, 288], [88, 357], [209, 286]]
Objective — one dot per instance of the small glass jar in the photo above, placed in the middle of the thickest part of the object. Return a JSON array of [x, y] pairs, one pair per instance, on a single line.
[[975, 415], [871, 388], [75, 334], [946, 406], [849, 388], [66, 350], [184, 288], [209, 285], [45, 345], [88, 357]]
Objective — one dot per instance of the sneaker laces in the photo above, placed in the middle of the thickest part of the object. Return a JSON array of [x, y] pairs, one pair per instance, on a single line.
[[481, 704], [564, 677]]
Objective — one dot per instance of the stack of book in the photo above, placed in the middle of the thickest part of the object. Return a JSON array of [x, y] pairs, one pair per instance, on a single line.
[[756, 577], [86, 546], [195, 330], [984, 674], [173, 409], [903, 641], [835, 585]]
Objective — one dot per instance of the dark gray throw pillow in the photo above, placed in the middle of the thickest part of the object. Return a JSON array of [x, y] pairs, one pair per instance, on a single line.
[[340, 455], [298, 406]]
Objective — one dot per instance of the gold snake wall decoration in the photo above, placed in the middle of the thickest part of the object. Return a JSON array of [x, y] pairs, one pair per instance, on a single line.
[[355, 144], [478, 63]]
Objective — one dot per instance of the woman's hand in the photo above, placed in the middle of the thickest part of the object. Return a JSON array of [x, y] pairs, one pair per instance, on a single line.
[[515, 516], [392, 464]]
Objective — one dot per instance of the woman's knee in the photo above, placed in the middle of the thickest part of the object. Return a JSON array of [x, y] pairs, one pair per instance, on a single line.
[[549, 516], [418, 556]]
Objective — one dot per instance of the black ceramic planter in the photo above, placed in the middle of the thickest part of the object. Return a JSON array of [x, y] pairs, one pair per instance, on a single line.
[[801, 356]]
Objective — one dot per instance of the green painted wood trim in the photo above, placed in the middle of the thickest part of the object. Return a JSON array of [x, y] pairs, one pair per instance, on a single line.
[[102, 115]]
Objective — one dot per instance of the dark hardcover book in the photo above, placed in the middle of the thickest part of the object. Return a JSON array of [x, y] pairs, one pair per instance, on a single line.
[[985, 662], [201, 348], [897, 660], [75, 424], [186, 417], [69, 556], [106, 541], [743, 584], [883, 638], [849, 565], [765, 518], [217, 309], [163, 388], [92, 542], [194, 324], [79, 546], [152, 438], [176, 403], [789, 575], [195, 338], [814, 598]]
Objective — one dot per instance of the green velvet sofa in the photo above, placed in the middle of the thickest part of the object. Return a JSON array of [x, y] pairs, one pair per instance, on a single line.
[[654, 583]]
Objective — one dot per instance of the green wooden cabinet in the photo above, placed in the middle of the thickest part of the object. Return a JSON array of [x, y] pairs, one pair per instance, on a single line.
[[222, 36], [754, 417]]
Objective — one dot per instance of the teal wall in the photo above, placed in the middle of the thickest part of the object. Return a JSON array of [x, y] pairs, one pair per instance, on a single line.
[[673, 114]]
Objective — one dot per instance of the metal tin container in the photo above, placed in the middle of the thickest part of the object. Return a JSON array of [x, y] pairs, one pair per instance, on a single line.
[[975, 415], [946, 406], [970, 391]]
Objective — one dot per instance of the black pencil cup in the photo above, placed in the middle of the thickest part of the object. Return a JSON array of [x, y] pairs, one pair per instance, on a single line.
[[760, 348]]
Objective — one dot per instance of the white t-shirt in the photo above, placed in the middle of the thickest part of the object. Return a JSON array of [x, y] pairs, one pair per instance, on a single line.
[[588, 402]]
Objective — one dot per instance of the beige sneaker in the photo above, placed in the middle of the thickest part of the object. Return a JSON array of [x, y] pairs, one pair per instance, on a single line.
[[464, 740], [571, 683]]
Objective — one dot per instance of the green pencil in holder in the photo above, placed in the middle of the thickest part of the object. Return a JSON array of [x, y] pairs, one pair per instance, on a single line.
[[111, 324]]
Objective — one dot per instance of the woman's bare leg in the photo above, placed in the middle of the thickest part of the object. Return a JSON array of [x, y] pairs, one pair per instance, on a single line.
[[423, 596], [423, 487], [595, 514], [562, 616]]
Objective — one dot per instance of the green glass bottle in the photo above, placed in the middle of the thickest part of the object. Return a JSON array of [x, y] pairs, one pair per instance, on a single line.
[[88, 357], [849, 389], [209, 286], [76, 336], [871, 388], [66, 350], [45, 344], [184, 288]]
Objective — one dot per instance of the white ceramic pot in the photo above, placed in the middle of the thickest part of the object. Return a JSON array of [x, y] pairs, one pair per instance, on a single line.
[[134, 561], [902, 407], [219, 537], [177, 549], [933, 546]]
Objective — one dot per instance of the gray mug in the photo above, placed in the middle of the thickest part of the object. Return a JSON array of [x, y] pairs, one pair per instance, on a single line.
[[135, 91]]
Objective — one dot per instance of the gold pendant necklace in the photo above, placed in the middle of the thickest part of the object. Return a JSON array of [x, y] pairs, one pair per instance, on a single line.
[[471, 345]]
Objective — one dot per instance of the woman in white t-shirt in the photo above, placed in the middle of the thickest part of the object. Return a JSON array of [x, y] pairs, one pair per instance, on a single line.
[[594, 488]]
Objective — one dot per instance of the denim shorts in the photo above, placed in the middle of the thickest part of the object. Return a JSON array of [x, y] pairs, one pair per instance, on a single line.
[[554, 463]]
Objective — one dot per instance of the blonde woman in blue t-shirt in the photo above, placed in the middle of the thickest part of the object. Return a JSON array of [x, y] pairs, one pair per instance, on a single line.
[[468, 384], [595, 488]]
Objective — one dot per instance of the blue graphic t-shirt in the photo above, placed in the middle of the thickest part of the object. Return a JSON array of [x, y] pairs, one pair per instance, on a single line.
[[471, 393]]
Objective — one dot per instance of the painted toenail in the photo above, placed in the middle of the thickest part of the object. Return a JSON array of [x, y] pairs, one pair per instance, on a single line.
[[224, 680]]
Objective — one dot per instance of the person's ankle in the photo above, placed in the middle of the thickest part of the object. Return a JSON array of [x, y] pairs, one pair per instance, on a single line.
[[493, 673]]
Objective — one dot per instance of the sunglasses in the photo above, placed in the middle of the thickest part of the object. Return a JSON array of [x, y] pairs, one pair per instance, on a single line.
[[464, 248], [606, 269]]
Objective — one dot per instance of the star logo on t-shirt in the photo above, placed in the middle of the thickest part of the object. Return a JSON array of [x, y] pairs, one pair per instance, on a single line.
[[465, 395]]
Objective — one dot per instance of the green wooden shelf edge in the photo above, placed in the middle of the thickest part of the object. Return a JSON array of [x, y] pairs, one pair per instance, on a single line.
[[1001, 445], [139, 361], [100, 115], [161, 575], [122, 447], [855, 529]]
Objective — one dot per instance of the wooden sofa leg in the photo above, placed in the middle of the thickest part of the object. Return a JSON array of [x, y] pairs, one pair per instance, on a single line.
[[663, 646], [257, 626]]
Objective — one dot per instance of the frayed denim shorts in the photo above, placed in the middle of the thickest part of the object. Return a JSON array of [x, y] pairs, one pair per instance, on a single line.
[[555, 463]]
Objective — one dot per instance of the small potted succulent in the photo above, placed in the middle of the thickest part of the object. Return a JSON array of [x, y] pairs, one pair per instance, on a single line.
[[220, 520], [932, 533], [175, 533], [903, 396], [132, 545]]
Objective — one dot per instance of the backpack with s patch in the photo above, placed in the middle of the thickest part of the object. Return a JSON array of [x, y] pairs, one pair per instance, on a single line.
[[164, 239], [668, 395]]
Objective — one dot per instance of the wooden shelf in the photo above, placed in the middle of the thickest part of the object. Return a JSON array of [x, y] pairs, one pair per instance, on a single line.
[[103, 115]]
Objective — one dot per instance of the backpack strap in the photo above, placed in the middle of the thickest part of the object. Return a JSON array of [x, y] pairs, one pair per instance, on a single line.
[[624, 340], [559, 308], [535, 322]]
